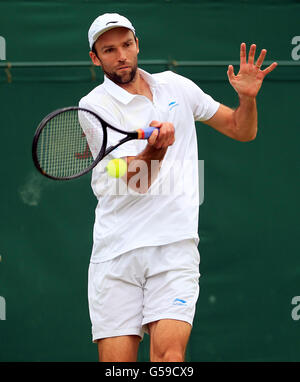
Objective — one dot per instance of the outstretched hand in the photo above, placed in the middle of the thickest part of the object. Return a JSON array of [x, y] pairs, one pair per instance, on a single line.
[[250, 77]]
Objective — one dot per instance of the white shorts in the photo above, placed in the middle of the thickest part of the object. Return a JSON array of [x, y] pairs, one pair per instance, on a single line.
[[141, 286]]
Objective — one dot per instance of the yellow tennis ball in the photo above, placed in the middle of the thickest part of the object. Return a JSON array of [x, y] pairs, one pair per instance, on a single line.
[[116, 167]]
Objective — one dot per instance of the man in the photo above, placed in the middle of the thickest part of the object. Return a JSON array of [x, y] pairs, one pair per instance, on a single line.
[[144, 269]]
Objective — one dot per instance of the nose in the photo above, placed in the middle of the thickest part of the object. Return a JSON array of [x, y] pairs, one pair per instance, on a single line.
[[121, 55]]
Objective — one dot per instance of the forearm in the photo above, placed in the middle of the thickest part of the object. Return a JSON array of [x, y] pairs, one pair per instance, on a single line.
[[143, 168], [245, 119]]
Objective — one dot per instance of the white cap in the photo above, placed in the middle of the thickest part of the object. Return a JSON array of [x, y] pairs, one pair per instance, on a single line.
[[106, 22]]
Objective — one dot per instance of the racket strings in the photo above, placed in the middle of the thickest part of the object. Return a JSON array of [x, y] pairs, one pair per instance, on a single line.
[[68, 142]]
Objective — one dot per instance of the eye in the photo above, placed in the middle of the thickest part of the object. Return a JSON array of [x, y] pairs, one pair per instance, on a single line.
[[108, 50]]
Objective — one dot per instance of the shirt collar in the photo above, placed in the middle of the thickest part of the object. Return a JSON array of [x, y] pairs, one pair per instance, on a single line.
[[123, 95]]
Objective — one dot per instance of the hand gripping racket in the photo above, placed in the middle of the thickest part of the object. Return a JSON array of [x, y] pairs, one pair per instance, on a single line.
[[70, 142]]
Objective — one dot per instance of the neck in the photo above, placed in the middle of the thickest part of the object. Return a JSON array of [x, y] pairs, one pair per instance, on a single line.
[[138, 86]]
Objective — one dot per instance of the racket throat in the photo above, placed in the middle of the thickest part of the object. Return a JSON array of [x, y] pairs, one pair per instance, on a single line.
[[111, 148]]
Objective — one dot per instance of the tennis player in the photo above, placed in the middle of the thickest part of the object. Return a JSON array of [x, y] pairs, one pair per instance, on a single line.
[[144, 269]]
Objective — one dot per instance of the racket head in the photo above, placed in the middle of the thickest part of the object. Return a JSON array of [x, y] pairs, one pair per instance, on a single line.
[[68, 143]]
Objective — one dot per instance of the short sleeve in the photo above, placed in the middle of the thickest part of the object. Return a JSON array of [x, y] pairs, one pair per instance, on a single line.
[[203, 105]]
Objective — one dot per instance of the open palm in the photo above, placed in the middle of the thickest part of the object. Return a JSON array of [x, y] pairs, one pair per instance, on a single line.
[[249, 78]]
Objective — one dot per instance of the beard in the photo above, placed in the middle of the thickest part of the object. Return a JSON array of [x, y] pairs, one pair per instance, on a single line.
[[126, 78]]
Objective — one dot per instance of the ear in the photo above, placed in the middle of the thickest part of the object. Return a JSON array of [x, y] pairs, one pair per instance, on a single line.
[[137, 45], [95, 59]]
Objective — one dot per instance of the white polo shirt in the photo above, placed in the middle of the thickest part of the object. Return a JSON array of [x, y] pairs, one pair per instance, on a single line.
[[168, 212]]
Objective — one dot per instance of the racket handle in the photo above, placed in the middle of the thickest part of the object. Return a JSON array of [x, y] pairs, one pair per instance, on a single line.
[[145, 133]]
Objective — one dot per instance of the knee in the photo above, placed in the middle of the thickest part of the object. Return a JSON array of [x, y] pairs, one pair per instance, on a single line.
[[170, 355], [173, 356]]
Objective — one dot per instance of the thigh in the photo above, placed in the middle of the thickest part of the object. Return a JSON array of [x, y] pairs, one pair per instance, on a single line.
[[172, 283], [168, 340], [119, 349], [115, 299]]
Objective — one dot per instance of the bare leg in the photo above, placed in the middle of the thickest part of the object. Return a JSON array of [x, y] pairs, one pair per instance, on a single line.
[[168, 340], [118, 349]]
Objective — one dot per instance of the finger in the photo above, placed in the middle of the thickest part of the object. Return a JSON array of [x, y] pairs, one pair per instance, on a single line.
[[269, 68], [243, 54], [170, 135], [261, 58], [171, 140], [160, 139], [230, 73], [153, 137], [251, 54], [166, 135], [156, 124]]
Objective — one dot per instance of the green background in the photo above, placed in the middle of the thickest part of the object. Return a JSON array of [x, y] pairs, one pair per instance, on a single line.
[[249, 221]]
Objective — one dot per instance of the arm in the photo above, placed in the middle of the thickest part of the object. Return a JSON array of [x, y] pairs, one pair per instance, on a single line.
[[145, 166], [241, 124]]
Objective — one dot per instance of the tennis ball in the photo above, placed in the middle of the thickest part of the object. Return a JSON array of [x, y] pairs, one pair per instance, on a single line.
[[116, 167]]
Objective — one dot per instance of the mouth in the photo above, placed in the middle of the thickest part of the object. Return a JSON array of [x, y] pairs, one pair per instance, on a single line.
[[123, 67]]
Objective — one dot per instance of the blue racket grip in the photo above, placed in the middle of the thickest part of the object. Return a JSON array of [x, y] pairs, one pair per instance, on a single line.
[[145, 133]]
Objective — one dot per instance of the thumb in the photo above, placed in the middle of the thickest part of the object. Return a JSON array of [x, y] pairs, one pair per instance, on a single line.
[[230, 72], [153, 137]]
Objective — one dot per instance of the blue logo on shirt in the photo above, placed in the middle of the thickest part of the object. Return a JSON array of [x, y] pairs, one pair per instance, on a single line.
[[172, 105], [178, 301]]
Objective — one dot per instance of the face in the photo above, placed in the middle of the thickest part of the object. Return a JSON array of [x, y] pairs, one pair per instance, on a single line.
[[117, 53]]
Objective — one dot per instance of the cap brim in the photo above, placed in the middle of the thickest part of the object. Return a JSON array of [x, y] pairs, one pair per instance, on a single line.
[[97, 35]]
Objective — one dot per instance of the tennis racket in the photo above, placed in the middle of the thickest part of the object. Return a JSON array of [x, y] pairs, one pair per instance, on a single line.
[[70, 142]]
